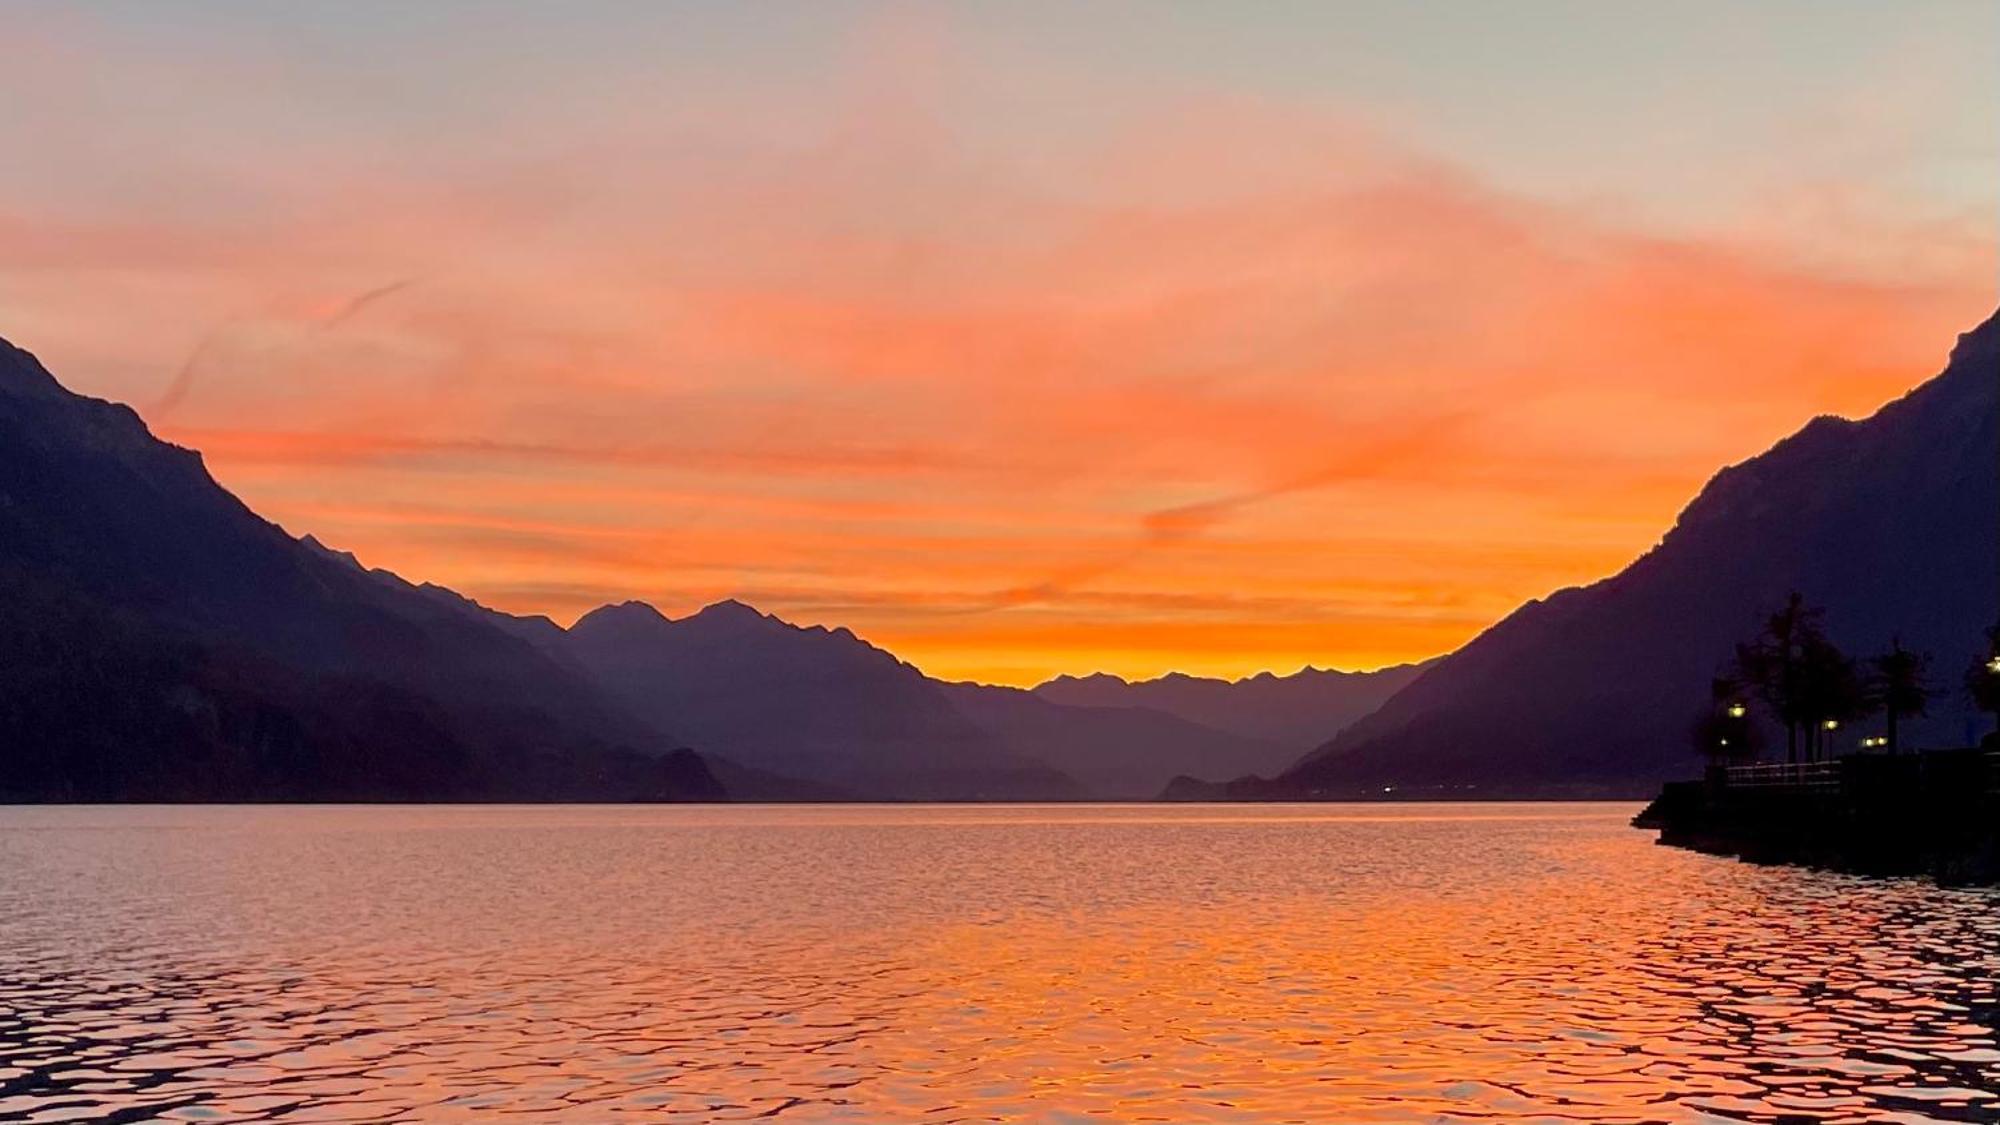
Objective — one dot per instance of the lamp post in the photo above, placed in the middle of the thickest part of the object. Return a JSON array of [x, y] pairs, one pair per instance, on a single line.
[[1732, 735], [1993, 669]]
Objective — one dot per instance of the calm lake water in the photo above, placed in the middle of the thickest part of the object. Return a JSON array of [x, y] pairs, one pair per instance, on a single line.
[[1179, 963]]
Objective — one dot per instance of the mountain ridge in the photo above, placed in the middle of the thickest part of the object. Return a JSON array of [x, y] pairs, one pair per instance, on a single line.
[[160, 640], [1887, 521], [1293, 712]]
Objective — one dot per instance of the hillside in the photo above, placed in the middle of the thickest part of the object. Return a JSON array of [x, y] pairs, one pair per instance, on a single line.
[[1889, 522], [160, 641]]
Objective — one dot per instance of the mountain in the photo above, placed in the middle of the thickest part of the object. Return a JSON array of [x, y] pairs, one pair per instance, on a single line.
[[828, 708], [1291, 713], [1889, 523], [1116, 753], [159, 641], [817, 704]]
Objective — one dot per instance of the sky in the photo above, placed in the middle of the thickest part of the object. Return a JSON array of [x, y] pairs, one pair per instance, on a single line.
[[1022, 338]]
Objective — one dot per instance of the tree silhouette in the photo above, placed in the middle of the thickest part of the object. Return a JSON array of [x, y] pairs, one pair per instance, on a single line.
[[1898, 685], [1982, 679], [1808, 682], [1775, 665], [1832, 692]]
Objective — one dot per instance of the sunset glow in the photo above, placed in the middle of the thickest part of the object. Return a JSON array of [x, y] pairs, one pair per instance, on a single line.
[[1269, 374]]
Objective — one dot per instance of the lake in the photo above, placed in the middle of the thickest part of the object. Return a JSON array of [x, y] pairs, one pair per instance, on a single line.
[[1359, 963]]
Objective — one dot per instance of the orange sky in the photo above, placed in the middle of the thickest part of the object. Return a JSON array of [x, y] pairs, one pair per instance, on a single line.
[[1224, 382]]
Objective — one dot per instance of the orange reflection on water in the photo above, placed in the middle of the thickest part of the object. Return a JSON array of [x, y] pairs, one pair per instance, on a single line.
[[1313, 964]]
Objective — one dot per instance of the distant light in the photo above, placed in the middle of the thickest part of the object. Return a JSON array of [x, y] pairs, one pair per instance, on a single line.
[[1722, 741], [1832, 724], [1993, 665], [1737, 710], [1388, 789]]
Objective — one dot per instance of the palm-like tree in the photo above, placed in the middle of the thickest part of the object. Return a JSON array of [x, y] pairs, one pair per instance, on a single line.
[[1808, 682], [1900, 687], [1832, 691], [1775, 665]]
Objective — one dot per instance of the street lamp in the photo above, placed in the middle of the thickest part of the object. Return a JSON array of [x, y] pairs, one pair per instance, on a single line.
[[1737, 710]]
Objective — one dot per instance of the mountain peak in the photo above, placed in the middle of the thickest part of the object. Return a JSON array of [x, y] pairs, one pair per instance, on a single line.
[[730, 609], [619, 616], [22, 373], [1094, 679]]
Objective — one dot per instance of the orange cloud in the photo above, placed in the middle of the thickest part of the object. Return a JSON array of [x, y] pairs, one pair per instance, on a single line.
[[1244, 390]]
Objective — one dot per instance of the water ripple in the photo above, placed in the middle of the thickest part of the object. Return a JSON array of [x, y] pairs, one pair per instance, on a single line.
[[1310, 964]]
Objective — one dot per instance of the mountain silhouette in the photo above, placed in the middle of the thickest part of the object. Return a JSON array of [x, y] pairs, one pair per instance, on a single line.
[[160, 641], [820, 705], [1115, 753], [1889, 523], [1292, 713]]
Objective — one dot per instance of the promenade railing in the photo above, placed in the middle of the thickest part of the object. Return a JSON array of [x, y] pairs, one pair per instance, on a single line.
[[1870, 776], [1784, 775]]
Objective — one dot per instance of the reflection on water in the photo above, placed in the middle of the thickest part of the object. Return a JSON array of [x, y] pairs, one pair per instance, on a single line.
[[1288, 963]]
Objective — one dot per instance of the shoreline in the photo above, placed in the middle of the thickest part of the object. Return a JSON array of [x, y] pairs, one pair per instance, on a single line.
[[1934, 813]]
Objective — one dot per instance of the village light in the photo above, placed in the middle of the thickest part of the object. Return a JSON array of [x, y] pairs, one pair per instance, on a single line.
[[1831, 724], [1737, 710], [1993, 665]]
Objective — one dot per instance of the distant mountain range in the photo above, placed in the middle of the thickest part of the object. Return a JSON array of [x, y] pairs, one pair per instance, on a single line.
[[1293, 714], [160, 641], [1892, 524], [812, 703], [825, 706]]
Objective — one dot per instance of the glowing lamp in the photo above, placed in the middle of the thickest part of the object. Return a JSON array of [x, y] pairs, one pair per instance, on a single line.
[[1737, 710]]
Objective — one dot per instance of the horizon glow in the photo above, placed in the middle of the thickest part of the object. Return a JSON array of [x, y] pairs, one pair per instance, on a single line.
[[1020, 339]]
